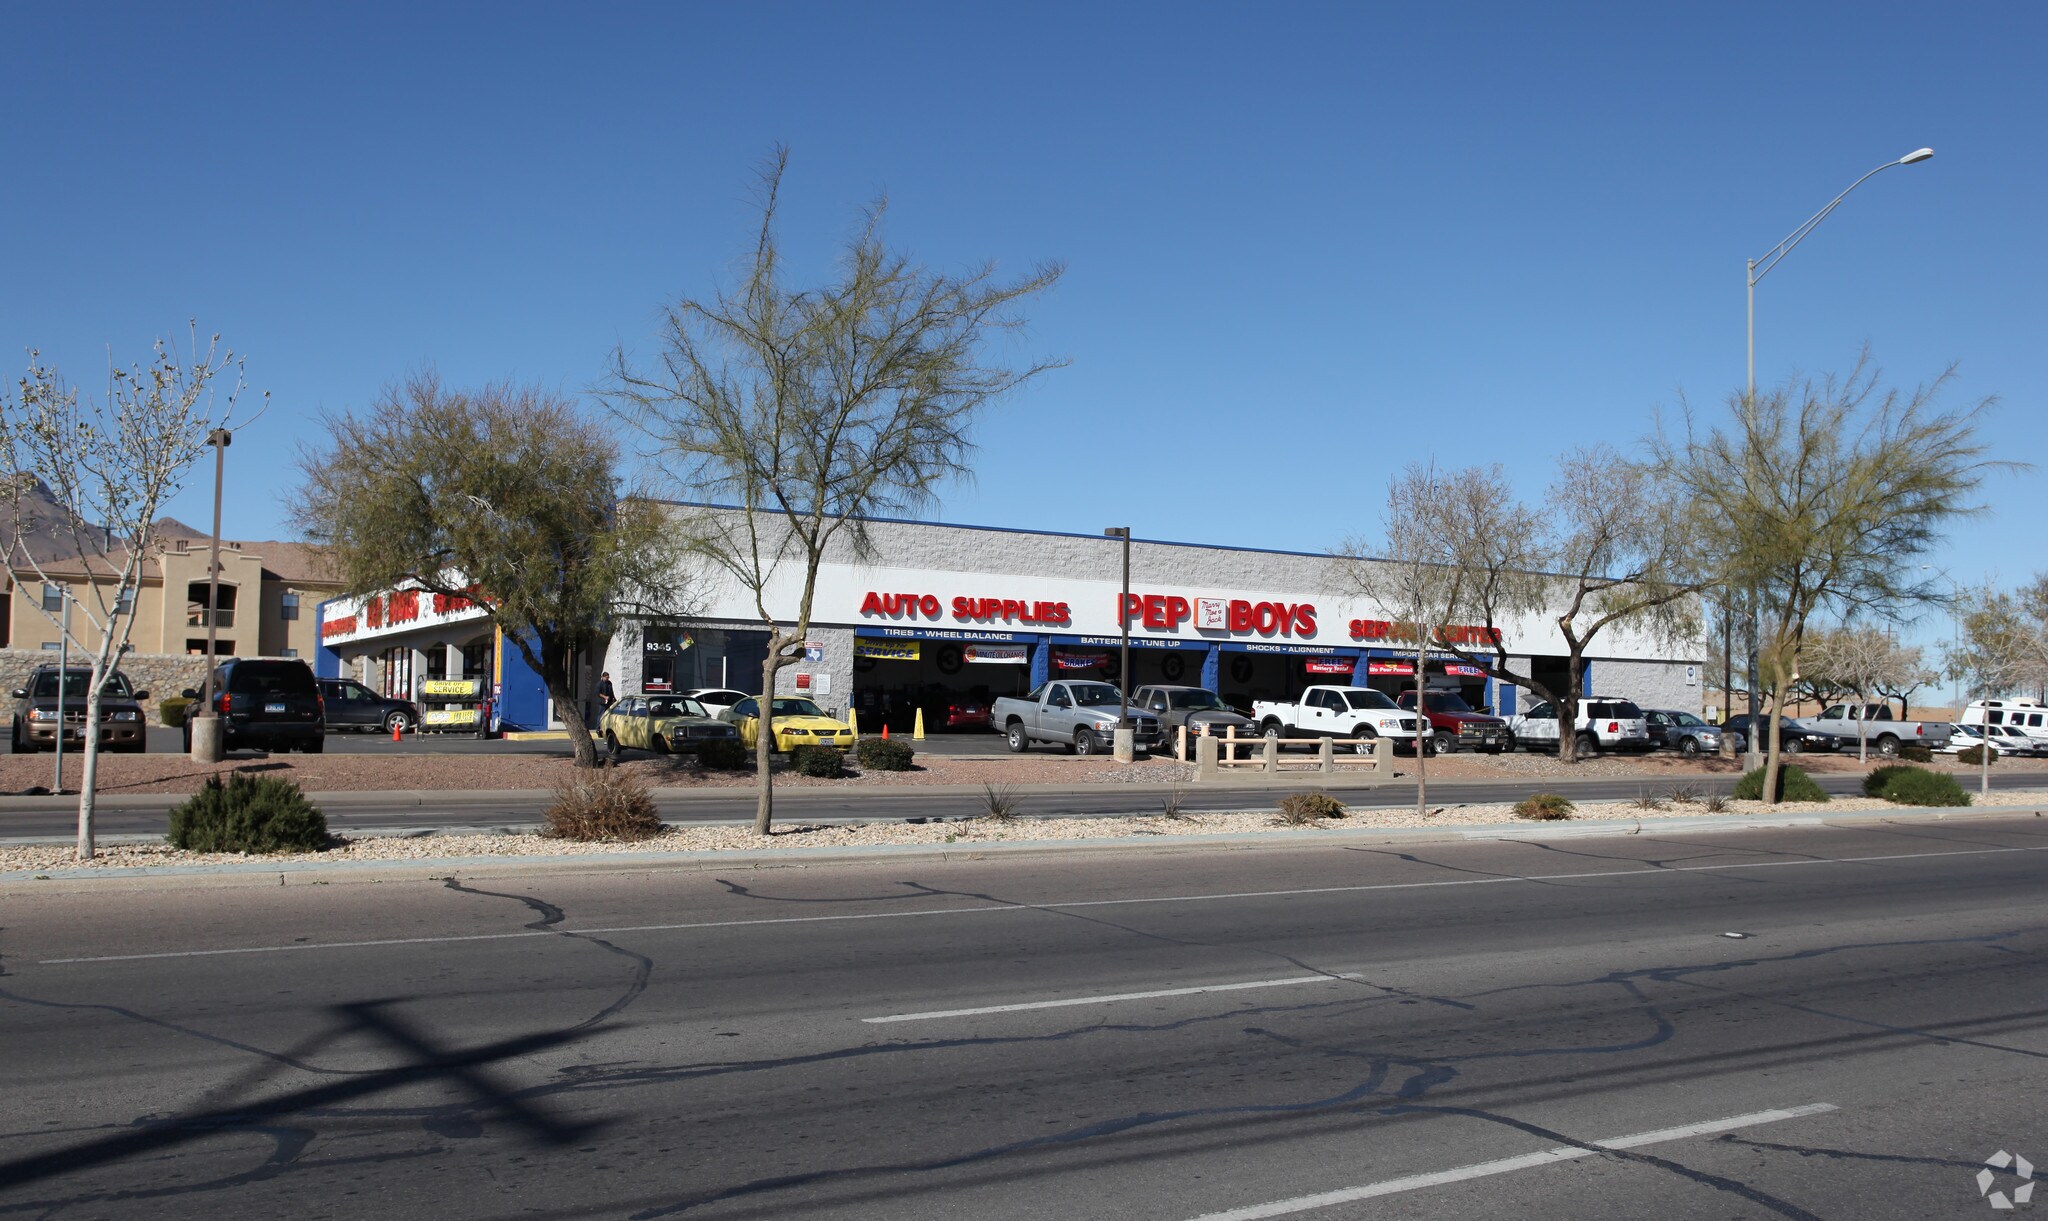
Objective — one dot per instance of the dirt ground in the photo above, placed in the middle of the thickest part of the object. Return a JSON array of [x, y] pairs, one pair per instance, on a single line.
[[166, 773]]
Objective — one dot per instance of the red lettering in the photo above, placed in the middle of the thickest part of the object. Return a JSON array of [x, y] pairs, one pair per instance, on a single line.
[[929, 604], [872, 604], [1154, 610], [1131, 605], [1305, 619], [1264, 618], [960, 610], [1240, 615], [1060, 613], [1177, 611]]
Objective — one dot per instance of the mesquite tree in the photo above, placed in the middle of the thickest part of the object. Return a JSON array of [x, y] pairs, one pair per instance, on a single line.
[[811, 409], [86, 479]]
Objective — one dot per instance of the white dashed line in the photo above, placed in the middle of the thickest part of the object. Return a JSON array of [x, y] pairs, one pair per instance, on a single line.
[[1111, 998]]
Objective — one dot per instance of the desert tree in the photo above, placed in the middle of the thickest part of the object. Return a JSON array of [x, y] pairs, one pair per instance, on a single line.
[[1609, 549], [1862, 661], [509, 497], [87, 477], [1821, 495], [812, 409], [2003, 647]]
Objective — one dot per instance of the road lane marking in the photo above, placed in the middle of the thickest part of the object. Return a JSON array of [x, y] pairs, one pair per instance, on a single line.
[[996, 909], [1507, 1165], [1113, 997]]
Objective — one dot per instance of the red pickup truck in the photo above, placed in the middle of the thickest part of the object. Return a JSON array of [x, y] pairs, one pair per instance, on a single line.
[[1458, 726]]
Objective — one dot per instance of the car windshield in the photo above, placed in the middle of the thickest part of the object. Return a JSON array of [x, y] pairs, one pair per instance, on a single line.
[[1446, 701], [1367, 699], [797, 707], [1197, 701], [76, 684], [1090, 694], [1687, 719], [675, 706]]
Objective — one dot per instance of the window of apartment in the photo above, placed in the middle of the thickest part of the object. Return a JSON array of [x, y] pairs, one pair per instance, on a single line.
[[195, 606], [53, 598], [124, 602], [221, 648], [288, 608], [288, 653], [51, 646]]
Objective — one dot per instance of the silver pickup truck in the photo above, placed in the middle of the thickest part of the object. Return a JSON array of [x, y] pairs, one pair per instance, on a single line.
[[1077, 714], [1873, 723]]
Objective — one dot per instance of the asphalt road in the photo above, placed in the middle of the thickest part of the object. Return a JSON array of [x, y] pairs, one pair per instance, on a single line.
[[56, 818], [1481, 1029]]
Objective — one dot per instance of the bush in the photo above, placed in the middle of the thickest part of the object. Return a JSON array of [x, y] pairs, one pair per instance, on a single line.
[[1544, 807], [822, 761], [248, 815], [1001, 800], [1914, 787], [1874, 783], [1793, 785], [884, 755], [1974, 755], [1914, 752], [724, 754], [1302, 809], [172, 711], [602, 805]]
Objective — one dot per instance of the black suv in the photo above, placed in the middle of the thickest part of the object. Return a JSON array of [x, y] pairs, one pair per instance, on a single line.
[[270, 705], [122, 722], [351, 705]]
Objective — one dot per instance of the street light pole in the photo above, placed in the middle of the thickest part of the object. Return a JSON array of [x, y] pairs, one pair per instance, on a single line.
[[1757, 270], [206, 727], [1125, 742]]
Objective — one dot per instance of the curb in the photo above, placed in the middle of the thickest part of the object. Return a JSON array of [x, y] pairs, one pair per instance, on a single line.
[[357, 871]]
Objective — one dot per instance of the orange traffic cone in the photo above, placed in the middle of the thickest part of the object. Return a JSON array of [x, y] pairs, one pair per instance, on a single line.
[[885, 731], [396, 726]]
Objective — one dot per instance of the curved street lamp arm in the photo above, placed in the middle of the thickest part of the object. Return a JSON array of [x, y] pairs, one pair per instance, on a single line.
[[1759, 268]]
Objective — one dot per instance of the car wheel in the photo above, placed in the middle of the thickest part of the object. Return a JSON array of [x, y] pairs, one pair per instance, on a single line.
[[611, 743], [1689, 746], [1085, 743], [661, 745], [1019, 740], [1510, 744], [1588, 745], [1888, 746], [1791, 746], [1367, 740], [1446, 743], [1272, 735], [1427, 748], [397, 722]]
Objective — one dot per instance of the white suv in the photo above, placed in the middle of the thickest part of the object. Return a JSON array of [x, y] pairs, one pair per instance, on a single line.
[[1605, 723]]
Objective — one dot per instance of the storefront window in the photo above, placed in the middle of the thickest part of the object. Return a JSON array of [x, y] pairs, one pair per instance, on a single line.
[[680, 658], [476, 658], [398, 673]]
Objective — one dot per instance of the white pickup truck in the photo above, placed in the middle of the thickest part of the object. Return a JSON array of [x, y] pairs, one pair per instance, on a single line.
[[1874, 724], [1339, 712]]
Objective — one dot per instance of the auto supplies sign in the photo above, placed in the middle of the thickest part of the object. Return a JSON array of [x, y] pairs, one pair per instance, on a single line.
[[996, 654], [886, 650]]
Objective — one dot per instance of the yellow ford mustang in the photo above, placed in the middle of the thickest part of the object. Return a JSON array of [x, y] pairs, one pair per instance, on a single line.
[[798, 722]]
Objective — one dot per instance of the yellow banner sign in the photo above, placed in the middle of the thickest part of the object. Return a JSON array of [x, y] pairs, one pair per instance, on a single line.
[[453, 686], [449, 716], [886, 650]]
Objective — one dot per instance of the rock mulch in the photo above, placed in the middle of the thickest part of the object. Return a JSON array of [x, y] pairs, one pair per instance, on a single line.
[[964, 832]]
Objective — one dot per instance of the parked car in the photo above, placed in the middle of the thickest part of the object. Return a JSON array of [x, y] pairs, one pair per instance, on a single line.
[[946, 710], [268, 704], [123, 725], [664, 724], [1078, 714], [2012, 740], [795, 721], [1198, 709], [1332, 711], [1963, 737], [1794, 737], [1605, 722], [352, 706], [1874, 724], [2027, 716], [716, 700], [1457, 725], [1687, 734]]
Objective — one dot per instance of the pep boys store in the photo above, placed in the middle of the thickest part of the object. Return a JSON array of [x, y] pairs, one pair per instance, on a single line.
[[947, 614]]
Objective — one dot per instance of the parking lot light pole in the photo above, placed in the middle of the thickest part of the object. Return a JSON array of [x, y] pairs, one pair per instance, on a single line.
[[1125, 742], [206, 726], [1758, 269]]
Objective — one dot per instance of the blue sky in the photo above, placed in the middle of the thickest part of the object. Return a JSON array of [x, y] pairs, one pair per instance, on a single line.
[[1306, 243]]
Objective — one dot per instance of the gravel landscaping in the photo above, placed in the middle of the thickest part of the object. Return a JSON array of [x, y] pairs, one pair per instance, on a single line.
[[967, 832]]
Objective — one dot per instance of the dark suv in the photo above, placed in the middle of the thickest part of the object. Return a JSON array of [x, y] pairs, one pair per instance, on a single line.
[[122, 724], [351, 705], [270, 705]]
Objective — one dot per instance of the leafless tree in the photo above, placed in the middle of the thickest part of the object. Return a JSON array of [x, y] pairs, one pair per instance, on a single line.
[[108, 465], [1862, 661], [813, 410]]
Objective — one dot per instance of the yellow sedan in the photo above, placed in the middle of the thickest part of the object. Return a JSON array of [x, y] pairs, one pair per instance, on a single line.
[[798, 722]]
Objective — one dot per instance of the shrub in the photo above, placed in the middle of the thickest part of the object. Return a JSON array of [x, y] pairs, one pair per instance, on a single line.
[[822, 761], [1001, 800], [1913, 787], [1714, 804], [1647, 801], [1302, 809], [1914, 752], [1874, 783], [1793, 785], [884, 755], [1685, 794], [172, 711], [602, 805], [1544, 807], [724, 754], [248, 814], [1974, 755]]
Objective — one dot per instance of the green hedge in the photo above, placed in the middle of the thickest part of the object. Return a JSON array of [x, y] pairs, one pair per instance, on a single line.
[[172, 711], [724, 754], [1874, 783], [1544, 807], [1912, 786], [248, 815], [1974, 755], [1793, 785], [1914, 752], [822, 761], [884, 755]]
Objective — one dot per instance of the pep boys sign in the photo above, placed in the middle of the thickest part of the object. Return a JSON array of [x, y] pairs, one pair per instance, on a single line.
[[1151, 611]]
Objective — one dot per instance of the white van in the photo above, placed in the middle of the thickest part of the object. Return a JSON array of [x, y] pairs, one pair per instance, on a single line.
[[2030, 717]]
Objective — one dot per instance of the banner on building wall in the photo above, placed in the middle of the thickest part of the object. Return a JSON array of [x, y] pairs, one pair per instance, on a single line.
[[1326, 667], [997, 654], [1465, 671], [886, 650], [1390, 667], [1078, 661]]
